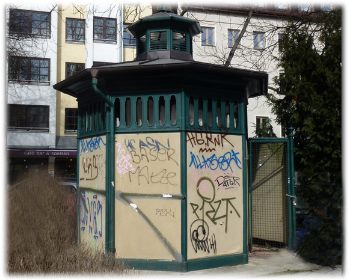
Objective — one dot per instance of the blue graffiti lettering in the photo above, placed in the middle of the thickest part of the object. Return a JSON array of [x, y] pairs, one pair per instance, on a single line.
[[130, 144], [214, 162], [90, 145], [91, 216]]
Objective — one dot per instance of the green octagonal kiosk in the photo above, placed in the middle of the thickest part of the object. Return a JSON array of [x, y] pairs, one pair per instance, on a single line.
[[162, 152]]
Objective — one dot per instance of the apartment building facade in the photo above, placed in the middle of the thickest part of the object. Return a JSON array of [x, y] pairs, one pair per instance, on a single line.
[[31, 72], [87, 35], [258, 49], [48, 43]]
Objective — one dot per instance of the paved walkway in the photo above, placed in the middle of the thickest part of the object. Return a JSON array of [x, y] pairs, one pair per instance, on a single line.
[[262, 262]]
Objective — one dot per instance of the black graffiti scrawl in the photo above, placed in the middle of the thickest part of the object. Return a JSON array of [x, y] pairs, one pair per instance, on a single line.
[[214, 171], [210, 208], [200, 237]]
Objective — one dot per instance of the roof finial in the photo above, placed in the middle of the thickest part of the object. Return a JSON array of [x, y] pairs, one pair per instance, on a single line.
[[167, 8]]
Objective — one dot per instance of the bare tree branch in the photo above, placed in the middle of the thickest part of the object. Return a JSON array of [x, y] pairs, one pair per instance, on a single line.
[[183, 12]]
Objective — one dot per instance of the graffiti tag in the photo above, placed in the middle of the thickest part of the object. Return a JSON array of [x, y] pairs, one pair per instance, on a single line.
[[207, 142], [227, 182], [214, 210], [124, 160], [91, 218], [214, 162], [200, 239], [91, 144]]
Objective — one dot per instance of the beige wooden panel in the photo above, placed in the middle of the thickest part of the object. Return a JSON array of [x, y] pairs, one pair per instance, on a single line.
[[92, 220], [148, 222], [215, 195], [148, 163], [148, 228], [92, 162]]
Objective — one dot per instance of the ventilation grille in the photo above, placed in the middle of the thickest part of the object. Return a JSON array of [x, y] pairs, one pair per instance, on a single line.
[[179, 41], [158, 40]]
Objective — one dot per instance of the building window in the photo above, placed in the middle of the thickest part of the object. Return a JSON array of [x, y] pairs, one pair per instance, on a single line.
[[71, 119], [326, 7], [232, 36], [29, 117], [263, 127], [280, 80], [207, 36], [280, 41], [28, 69], [105, 29], [259, 40], [73, 68], [75, 30], [29, 23], [128, 39], [262, 122]]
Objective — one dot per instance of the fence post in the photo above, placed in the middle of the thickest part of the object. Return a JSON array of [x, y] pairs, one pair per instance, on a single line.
[[250, 194], [291, 190]]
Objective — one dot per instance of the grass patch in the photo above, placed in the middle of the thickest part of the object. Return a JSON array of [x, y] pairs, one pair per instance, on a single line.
[[42, 231]]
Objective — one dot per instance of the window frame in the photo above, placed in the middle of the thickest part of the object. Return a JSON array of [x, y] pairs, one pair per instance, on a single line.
[[129, 37], [75, 40], [104, 28], [206, 44], [75, 72], [29, 32], [26, 117], [280, 38], [70, 117], [228, 37], [259, 124], [30, 59], [256, 44]]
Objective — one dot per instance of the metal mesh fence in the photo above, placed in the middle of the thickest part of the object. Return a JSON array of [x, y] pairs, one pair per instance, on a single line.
[[268, 189]]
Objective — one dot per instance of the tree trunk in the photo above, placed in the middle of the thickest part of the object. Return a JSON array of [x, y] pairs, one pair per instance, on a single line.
[[235, 45]]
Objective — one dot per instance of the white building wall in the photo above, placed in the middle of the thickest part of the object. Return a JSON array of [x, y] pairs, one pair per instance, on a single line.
[[36, 94], [104, 51], [246, 57]]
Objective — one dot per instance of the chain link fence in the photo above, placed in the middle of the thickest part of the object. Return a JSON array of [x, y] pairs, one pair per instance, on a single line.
[[268, 193]]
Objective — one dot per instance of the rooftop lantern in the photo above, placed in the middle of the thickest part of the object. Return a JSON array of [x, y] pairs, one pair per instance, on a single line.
[[164, 35], [162, 159]]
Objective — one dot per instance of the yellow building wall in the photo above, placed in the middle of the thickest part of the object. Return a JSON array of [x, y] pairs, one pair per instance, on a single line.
[[67, 52], [129, 53]]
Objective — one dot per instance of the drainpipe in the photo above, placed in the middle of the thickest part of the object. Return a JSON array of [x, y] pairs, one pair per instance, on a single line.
[[94, 82], [121, 18], [110, 192]]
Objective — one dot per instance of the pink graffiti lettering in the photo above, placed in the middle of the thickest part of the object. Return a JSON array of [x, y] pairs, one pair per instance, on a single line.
[[124, 160]]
